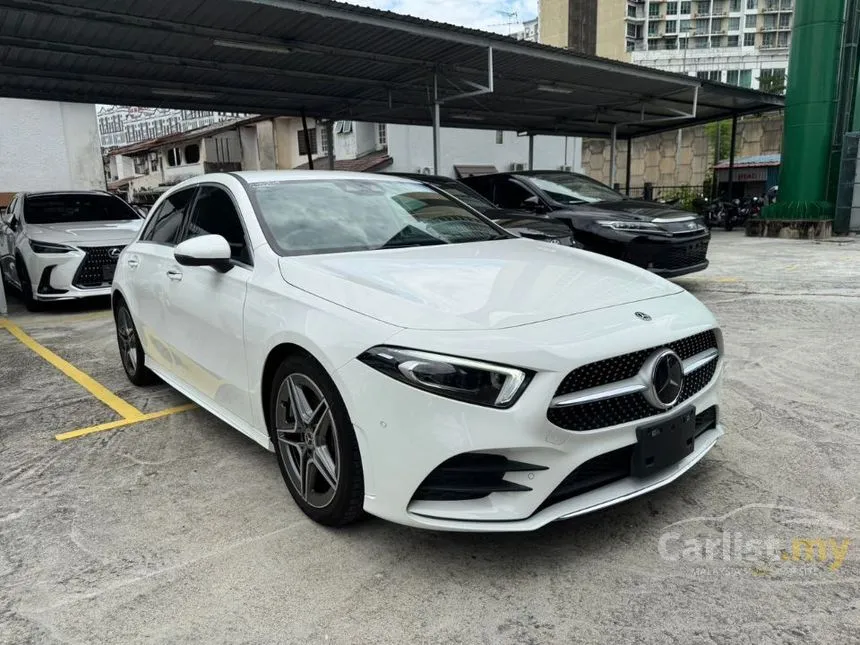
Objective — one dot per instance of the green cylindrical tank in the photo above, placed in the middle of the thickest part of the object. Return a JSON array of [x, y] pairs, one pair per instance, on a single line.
[[810, 104]]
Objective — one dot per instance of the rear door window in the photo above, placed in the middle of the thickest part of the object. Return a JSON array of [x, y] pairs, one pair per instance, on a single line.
[[163, 227], [509, 194]]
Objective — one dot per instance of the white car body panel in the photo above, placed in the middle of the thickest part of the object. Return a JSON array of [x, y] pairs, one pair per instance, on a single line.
[[209, 336]]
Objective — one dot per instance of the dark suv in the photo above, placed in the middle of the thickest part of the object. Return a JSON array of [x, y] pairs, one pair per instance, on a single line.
[[662, 239]]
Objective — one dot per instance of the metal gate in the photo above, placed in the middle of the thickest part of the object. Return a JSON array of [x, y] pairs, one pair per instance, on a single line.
[[848, 194]]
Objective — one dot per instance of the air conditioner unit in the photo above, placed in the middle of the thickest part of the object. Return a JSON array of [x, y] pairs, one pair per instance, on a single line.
[[566, 168], [518, 167]]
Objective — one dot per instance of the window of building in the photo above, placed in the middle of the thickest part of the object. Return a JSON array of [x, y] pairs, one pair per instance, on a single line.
[[500, 136], [303, 148], [752, 4], [734, 24], [165, 222], [735, 5], [671, 26], [746, 78], [733, 76], [685, 26], [153, 161], [749, 40], [768, 40], [719, 8], [215, 214], [751, 21], [733, 41], [139, 165], [671, 8], [686, 6], [785, 20], [631, 45], [785, 4], [772, 80], [653, 9], [682, 43], [670, 43], [631, 11], [770, 21], [782, 39], [174, 157], [382, 134], [192, 153], [703, 8], [324, 140], [652, 28]]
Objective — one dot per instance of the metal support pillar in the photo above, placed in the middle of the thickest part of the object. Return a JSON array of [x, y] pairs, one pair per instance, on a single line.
[[437, 131], [732, 157], [3, 309], [629, 167], [307, 141], [329, 128], [613, 155], [531, 152]]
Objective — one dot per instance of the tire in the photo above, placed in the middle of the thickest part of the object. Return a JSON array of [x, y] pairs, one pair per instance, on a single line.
[[130, 350], [26, 289], [317, 450]]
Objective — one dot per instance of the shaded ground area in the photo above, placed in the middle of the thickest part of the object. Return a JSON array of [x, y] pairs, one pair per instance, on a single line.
[[181, 530]]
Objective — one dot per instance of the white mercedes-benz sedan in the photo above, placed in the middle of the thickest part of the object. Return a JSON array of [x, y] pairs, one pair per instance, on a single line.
[[404, 356]]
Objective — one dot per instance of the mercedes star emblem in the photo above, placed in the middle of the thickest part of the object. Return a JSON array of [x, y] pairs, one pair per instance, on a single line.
[[665, 374]]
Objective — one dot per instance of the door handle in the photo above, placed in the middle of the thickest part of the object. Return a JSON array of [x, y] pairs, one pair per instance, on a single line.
[[174, 274], [133, 262]]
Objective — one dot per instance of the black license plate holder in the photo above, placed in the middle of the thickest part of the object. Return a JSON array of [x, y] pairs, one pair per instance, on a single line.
[[662, 444], [108, 271]]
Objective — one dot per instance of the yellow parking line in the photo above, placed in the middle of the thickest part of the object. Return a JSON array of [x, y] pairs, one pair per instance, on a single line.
[[122, 408], [113, 425]]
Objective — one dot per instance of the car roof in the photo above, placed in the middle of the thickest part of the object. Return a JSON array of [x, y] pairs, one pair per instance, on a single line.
[[527, 173], [271, 176], [430, 179], [66, 193]]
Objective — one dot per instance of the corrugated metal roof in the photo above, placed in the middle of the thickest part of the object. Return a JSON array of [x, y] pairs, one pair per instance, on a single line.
[[755, 161], [188, 135], [276, 57]]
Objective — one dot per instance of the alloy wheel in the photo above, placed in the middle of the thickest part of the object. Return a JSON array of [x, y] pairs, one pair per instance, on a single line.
[[127, 341], [308, 439]]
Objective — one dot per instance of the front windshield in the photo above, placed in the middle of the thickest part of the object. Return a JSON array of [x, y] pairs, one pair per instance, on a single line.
[[76, 208], [467, 196], [567, 188], [336, 215]]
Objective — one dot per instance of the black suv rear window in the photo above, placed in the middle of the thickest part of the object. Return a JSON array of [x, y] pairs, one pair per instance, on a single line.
[[63, 209]]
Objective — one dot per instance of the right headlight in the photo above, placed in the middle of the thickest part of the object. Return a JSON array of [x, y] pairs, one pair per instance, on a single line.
[[463, 379]]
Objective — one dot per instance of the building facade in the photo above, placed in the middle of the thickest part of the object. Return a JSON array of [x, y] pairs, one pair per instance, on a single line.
[[122, 126], [530, 31], [740, 42]]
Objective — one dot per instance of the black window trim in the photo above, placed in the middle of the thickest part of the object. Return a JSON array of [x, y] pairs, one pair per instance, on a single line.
[[154, 213], [186, 220]]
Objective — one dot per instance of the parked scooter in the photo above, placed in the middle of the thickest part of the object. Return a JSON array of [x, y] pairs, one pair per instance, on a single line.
[[723, 213]]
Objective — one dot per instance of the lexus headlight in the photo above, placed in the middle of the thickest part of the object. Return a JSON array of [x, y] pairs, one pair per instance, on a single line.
[[47, 247], [634, 227], [462, 379]]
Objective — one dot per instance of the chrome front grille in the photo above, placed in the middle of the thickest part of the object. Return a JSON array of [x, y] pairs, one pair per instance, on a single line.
[[609, 392]]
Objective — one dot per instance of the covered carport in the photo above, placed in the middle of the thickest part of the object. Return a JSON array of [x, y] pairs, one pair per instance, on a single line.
[[335, 61]]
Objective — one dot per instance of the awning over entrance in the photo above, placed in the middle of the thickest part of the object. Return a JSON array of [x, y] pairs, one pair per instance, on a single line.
[[279, 57]]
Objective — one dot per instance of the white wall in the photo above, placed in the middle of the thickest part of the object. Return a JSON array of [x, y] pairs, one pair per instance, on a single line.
[[411, 148], [46, 145]]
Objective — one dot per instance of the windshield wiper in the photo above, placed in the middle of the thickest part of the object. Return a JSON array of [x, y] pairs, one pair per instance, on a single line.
[[411, 236]]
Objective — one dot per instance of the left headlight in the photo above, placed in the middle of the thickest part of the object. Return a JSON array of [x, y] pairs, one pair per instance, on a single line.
[[463, 379], [635, 227], [48, 247]]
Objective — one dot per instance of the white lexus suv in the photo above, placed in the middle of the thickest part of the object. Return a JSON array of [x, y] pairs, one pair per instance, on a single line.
[[405, 356], [64, 245]]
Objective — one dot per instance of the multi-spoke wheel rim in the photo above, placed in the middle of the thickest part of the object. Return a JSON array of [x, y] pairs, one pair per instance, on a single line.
[[127, 341], [308, 441]]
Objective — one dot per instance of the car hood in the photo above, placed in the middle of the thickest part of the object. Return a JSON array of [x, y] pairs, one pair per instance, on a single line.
[[483, 285], [632, 209], [85, 233]]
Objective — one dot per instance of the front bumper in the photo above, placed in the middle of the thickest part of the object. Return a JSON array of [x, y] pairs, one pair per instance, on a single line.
[[405, 434], [73, 275]]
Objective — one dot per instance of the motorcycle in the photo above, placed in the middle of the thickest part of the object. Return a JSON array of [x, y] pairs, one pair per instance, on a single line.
[[724, 213]]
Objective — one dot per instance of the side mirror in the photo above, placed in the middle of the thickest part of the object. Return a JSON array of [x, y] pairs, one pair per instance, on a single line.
[[13, 224], [206, 250], [533, 204]]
